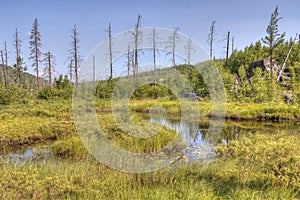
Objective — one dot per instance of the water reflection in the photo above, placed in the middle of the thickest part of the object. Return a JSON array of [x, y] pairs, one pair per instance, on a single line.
[[197, 145], [22, 155]]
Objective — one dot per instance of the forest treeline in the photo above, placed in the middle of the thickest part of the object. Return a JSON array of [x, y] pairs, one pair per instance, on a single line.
[[265, 71]]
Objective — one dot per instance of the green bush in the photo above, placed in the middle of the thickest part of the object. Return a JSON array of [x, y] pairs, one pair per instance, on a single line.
[[13, 94], [48, 93], [62, 89]]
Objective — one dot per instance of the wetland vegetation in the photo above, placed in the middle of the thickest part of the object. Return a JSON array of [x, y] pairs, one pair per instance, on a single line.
[[257, 154]]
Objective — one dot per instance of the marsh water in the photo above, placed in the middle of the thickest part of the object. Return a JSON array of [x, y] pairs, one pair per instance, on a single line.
[[197, 146]]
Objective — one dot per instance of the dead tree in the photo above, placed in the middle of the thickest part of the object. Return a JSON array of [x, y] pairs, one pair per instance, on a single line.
[[227, 47], [189, 49], [128, 60], [4, 58], [286, 58], [35, 53], [49, 63], [137, 39], [3, 68], [132, 55], [75, 57], [6, 63], [18, 66], [71, 69], [211, 38], [173, 39], [154, 39], [110, 52]]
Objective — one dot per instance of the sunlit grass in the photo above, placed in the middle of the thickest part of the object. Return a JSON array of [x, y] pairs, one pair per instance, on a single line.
[[244, 111], [255, 165], [246, 169]]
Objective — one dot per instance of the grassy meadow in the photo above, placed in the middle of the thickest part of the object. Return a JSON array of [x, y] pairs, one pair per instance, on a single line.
[[256, 165]]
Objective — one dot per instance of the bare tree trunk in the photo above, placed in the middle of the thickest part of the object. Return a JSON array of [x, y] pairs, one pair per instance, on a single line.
[[188, 55], [75, 55], [18, 58], [3, 67], [49, 69], [6, 64], [136, 43], [227, 47], [132, 62], [128, 60], [189, 49], [71, 70], [286, 58], [285, 61], [174, 45], [110, 55], [3, 55], [49, 63], [211, 36], [154, 54]]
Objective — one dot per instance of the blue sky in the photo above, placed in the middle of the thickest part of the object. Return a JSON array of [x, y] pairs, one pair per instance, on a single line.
[[247, 21]]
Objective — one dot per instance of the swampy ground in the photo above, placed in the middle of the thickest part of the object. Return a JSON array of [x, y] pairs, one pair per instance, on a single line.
[[42, 156]]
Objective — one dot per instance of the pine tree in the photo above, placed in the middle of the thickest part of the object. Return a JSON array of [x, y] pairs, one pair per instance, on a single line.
[[273, 37]]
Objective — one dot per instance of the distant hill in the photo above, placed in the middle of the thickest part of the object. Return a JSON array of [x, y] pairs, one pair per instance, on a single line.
[[26, 77]]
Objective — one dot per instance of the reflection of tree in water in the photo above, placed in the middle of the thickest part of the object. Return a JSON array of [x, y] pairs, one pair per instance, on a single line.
[[195, 136], [232, 130]]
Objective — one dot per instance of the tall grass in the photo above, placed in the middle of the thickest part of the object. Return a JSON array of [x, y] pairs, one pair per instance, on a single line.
[[254, 167], [234, 110], [35, 122]]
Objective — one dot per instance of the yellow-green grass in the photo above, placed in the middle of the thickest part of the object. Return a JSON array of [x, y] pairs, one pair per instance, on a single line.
[[43, 120], [257, 166], [264, 111], [234, 110], [35, 122]]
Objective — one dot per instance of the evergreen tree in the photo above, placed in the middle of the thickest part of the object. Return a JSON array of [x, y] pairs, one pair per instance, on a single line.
[[273, 38]]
